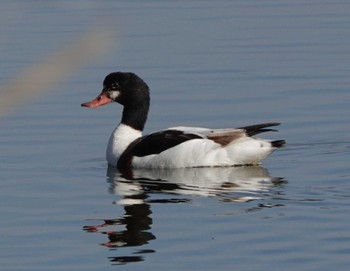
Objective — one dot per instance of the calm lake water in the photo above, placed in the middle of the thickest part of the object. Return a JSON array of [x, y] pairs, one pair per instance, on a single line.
[[208, 63]]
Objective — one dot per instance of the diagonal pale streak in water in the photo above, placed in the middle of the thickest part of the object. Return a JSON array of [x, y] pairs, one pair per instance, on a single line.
[[40, 77]]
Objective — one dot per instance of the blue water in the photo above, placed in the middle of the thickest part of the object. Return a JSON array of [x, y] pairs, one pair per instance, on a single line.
[[208, 63]]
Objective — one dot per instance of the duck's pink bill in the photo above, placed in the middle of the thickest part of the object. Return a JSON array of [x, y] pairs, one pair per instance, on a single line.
[[100, 100]]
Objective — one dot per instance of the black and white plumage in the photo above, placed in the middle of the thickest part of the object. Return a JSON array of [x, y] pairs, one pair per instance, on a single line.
[[175, 147]]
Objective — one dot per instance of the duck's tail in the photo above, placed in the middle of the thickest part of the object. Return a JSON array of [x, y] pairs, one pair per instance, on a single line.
[[278, 143], [253, 130]]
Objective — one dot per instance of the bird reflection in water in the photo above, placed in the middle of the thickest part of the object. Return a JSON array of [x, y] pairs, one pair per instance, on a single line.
[[139, 189], [137, 222]]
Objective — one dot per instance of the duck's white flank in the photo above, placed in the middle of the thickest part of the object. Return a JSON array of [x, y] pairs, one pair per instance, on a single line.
[[207, 153], [119, 140]]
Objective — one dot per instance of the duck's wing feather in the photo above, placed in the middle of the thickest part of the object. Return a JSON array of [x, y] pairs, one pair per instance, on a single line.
[[252, 130]]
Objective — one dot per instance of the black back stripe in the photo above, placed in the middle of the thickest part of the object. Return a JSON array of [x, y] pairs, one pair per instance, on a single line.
[[160, 141]]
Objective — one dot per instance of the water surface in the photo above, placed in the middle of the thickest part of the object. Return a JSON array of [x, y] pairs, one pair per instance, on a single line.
[[212, 64]]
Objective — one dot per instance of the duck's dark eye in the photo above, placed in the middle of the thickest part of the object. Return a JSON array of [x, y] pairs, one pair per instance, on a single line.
[[114, 85]]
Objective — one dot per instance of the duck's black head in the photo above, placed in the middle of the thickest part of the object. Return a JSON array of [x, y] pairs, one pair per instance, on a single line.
[[130, 91], [125, 88]]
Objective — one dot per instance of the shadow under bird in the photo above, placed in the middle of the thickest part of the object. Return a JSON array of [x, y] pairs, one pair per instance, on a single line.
[[176, 147]]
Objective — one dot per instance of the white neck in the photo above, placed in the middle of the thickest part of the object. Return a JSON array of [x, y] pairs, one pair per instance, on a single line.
[[120, 139]]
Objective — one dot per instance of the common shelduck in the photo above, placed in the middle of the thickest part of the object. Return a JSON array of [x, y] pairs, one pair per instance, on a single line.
[[176, 147]]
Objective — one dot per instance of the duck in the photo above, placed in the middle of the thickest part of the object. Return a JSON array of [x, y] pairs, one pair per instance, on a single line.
[[175, 147]]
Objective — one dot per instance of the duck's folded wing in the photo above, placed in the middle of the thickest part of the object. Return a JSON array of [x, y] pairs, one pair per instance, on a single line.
[[250, 130], [158, 142]]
